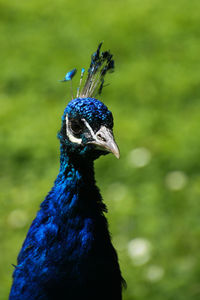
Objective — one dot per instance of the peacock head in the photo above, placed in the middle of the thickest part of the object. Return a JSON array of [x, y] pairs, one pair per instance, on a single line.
[[87, 129], [87, 124]]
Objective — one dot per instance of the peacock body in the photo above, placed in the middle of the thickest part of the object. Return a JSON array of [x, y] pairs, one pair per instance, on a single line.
[[68, 253]]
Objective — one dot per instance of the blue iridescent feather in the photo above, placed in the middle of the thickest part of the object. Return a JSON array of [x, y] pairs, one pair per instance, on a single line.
[[69, 75]]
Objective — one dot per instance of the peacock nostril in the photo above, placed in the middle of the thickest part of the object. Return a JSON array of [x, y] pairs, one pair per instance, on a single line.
[[101, 137]]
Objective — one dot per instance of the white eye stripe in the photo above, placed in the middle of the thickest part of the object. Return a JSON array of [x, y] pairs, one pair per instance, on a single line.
[[89, 128], [70, 135]]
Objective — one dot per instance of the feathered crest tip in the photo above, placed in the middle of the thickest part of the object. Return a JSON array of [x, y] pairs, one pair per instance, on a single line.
[[101, 63]]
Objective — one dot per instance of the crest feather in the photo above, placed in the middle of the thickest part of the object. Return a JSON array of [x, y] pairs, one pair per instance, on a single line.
[[101, 63]]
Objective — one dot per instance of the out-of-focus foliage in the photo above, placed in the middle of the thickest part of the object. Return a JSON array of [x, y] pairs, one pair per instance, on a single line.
[[153, 191]]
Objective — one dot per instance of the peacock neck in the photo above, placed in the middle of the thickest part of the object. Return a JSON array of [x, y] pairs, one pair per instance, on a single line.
[[76, 167], [74, 192]]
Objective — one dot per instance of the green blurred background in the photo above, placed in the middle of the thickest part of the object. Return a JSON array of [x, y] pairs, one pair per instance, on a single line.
[[153, 191]]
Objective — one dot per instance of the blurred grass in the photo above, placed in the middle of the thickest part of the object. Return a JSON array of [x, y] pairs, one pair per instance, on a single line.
[[154, 96]]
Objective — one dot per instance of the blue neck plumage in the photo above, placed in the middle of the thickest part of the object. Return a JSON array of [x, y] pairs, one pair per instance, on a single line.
[[74, 191], [75, 167]]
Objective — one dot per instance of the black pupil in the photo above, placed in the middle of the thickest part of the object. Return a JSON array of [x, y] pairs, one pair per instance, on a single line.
[[76, 126]]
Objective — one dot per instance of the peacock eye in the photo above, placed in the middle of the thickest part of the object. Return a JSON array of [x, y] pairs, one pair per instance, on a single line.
[[76, 126]]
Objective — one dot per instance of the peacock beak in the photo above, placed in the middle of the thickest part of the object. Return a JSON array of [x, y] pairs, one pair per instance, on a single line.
[[104, 140]]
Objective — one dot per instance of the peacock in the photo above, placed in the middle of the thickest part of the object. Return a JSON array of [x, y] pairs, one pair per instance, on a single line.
[[68, 253]]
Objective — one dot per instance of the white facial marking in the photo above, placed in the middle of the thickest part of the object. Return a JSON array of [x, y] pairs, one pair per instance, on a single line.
[[89, 128], [71, 137]]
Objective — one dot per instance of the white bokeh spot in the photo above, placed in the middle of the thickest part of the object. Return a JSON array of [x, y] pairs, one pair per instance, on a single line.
[[117, 191], [17, 218], [139, 157], [154, 273], [139, 250], [176, 180]]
